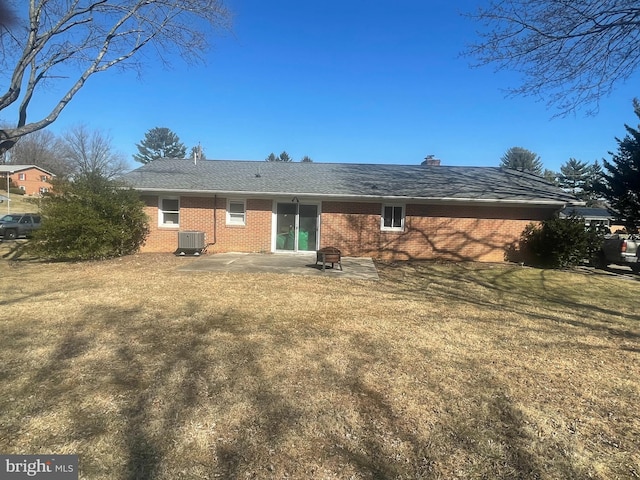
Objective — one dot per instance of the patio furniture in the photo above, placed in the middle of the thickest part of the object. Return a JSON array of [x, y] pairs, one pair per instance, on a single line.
[[329, 255]]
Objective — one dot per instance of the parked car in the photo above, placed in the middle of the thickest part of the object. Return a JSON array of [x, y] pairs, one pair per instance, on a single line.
[[619, 249], [18, 225]]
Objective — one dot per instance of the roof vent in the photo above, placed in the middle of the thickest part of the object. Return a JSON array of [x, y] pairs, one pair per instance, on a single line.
[[431, 161]]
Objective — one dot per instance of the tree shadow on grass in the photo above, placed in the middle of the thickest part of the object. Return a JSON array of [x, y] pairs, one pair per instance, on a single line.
[[164, 372], [509, 293], [140, 379], [15, 250], [481, 427]]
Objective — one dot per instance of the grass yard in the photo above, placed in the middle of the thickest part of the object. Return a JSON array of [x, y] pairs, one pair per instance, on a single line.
[[439, 371], [19, 204]]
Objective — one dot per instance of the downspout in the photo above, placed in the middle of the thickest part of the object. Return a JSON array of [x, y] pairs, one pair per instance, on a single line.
[[215, 223]]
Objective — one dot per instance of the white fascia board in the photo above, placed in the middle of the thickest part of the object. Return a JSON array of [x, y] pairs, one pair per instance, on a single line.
[[11, 169], [367, 198]]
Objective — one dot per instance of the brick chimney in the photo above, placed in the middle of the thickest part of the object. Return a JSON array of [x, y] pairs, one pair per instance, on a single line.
[[431, 161]]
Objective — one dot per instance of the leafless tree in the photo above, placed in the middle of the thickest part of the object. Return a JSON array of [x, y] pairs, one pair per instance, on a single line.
[[571, 53], [90, 153], [67, 42], [41, 148]]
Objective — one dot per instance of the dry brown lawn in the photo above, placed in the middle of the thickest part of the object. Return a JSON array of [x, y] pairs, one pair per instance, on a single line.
[[19, 204], [437, 371]]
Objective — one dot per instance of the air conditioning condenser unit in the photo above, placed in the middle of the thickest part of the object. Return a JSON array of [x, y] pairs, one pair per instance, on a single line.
[[190, 243]]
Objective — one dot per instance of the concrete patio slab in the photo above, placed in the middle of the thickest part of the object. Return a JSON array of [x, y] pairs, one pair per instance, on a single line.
[[295, 264]]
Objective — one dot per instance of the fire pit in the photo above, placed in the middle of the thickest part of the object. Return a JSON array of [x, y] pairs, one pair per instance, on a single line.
[[329, 255]]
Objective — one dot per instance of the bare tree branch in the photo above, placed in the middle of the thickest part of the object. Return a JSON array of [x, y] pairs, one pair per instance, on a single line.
[[91, 153], [44, 149], [572, 54], [82, 38]]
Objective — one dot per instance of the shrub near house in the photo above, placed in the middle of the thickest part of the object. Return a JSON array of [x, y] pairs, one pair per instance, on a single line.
[[558, 243], [91, 218]]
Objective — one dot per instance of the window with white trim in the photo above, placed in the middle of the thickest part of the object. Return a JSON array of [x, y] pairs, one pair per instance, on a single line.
[[43, 190], [168, 212], [392, 218], [236, 212], [22, 176], [44, 178]]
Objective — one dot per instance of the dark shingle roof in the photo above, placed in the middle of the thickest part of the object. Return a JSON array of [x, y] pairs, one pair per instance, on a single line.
[[371, 181]]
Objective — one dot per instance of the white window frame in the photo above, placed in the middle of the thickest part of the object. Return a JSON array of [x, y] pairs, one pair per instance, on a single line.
[[161, 213], [402, 217], [23, 188], [44, 190], [22, 176], [44, 178], [236, 218]]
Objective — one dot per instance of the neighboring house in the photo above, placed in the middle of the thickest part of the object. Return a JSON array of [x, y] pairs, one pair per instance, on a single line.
[[381, 211], [593, 216], [31, 179]]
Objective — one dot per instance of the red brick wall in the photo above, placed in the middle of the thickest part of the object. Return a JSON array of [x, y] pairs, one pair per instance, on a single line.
[[32, 181], [254, 236], [446, 232], [159, 239], [198, 213]]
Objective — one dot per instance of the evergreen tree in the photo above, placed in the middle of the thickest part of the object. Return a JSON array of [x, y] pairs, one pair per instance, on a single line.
[[550, 176], [90, 218], [557, 243], [283, 157], [620, 183], [574, 177], [306, 159], [578, 178], [159, 142], [518, 158], [591, 194]]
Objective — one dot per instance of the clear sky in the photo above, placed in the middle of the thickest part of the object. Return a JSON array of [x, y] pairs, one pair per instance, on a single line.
[[344, 81]]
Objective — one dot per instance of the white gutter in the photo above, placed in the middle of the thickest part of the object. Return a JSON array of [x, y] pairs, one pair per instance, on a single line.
[[391, 198]]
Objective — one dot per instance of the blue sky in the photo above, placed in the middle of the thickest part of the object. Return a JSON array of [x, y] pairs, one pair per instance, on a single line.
[[344, 81]]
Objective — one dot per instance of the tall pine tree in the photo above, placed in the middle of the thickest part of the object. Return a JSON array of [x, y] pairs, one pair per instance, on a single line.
[[159, 142], [518, 158], [620, 180], [574, 176]]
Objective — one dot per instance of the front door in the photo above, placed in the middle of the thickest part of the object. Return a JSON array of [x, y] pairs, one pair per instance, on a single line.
[[296, 227]]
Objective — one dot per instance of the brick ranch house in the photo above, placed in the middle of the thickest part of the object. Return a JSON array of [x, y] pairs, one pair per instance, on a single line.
[[31, 179], [381, 211]]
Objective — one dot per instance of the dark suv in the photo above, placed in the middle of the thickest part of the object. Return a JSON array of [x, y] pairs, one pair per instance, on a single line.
[[18, 224]]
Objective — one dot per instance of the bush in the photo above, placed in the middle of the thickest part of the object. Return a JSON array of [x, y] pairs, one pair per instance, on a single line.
[[558, 243], [16, 191], [91, 218]]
